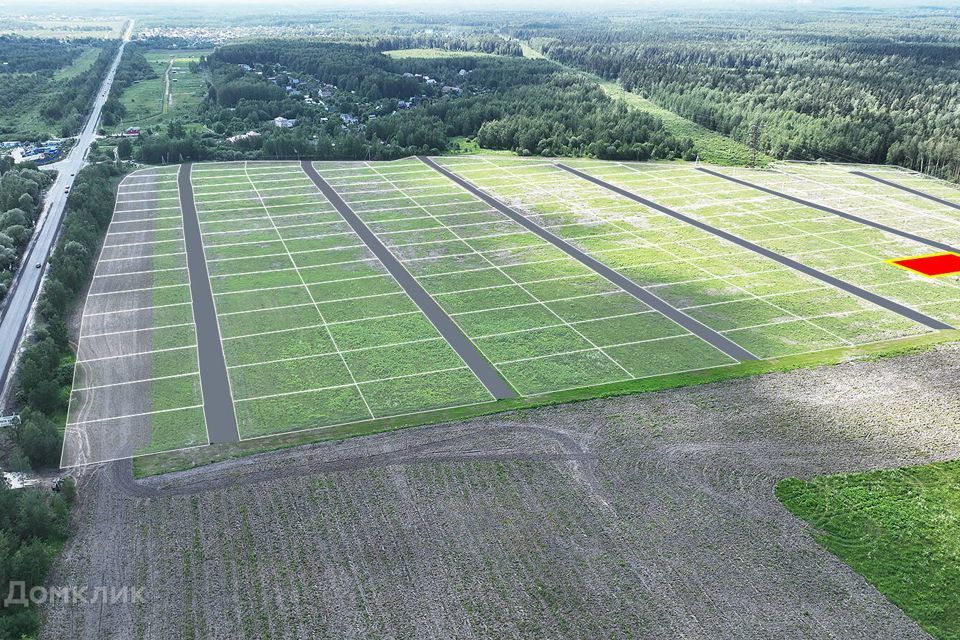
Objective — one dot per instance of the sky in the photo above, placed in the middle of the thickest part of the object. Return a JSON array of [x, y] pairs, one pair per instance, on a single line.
[[303, 6]]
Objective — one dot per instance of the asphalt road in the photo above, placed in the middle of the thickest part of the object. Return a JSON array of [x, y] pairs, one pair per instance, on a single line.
[[695, 327], [886, 303], [218, 410], [947, 203], [836, 212], [19, 301], [484, 371]]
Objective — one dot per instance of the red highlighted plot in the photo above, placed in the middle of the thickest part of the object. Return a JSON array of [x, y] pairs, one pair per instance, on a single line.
[[933, 265]]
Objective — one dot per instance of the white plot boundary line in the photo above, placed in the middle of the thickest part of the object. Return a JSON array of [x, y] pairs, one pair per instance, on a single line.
[[78, 362], [882, 238], [310, 294], [508, 277], [583, 188], [442, 334], [421, 412]]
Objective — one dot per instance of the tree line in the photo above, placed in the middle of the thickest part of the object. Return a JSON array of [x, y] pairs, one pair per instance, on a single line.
[[21, 196], [45, 373]]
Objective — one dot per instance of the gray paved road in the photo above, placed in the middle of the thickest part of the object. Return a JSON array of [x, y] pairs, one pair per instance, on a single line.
[[19, 301], [836, 212], [695, 327], [218, 410], [947, 203], [489, 376], [886, 303]]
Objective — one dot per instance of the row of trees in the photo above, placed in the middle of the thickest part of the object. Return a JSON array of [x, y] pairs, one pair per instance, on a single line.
[[21, 193], [45, 373], [885, 91]]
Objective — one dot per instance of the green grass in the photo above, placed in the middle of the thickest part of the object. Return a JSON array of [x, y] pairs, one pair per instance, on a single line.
[[310, 432], [80, 65], [530, 52], [147, 102], [898, 529], [175, 369], [549, 345]]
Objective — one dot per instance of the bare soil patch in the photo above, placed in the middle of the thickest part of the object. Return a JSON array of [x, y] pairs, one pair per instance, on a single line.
[[650, 516]]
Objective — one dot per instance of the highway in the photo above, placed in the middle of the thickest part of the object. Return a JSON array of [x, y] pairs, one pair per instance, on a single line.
[[18, 305]]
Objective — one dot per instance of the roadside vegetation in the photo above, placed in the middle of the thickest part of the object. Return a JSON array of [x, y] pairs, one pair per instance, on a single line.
[[898, 529], [45, 372], [21, 201]]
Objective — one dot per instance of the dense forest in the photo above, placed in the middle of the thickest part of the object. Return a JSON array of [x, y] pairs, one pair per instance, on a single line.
[[857, 86], [364, 104]]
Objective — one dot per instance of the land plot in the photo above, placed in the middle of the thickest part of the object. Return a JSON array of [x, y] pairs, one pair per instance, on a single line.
[[765, 307], [543, 319], [838, 187], [136, 385], [848, 250], [315, 330]]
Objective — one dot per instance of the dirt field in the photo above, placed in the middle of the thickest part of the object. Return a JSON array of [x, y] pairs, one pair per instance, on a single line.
[[650, 516]]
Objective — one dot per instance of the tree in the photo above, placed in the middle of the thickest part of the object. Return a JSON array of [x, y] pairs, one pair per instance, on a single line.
[[40, 514], [176, 129], [19, 461], [125, 149], [39, 437], [26, 204]]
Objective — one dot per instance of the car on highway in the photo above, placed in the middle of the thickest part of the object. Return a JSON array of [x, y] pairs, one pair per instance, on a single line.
[[38, 265]]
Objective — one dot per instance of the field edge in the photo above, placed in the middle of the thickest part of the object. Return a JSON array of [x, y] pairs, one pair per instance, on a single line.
[[162, 463]]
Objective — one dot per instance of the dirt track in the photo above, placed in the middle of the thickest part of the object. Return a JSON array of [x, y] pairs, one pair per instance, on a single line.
[[649, 516]]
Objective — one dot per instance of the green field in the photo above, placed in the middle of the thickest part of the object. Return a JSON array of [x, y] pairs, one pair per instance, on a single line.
[[711, 146], [154, 102], [317, 334], [82, 64], [896, 528]]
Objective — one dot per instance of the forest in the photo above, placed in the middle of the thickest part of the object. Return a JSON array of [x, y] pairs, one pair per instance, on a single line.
[[369, 105], [845, 86], [36, 103], [34, 524]]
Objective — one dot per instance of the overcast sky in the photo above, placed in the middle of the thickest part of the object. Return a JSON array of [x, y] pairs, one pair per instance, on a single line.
[[249, 6]]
